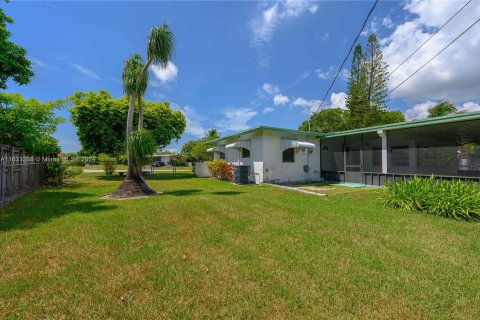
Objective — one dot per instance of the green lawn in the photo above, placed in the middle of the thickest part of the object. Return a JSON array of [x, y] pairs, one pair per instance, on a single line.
[[211, 249]]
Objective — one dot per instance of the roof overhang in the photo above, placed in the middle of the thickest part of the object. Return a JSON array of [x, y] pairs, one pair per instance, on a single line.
[[245, 144], [217, 149], [291, 143]]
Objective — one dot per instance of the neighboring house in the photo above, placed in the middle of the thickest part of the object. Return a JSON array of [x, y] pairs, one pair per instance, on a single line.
[[163, 159], [447, 147]]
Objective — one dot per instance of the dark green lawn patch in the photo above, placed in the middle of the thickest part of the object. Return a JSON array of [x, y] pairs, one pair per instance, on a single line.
[[211, 249]]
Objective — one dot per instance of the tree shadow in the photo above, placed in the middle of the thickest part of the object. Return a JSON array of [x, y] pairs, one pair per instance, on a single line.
[[227, 193], [45, 205], [153, 177], [186, 192]]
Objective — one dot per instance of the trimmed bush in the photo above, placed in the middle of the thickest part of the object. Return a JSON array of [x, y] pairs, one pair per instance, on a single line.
[[109, 163], [220, 169], [57, 171], [450, 199]]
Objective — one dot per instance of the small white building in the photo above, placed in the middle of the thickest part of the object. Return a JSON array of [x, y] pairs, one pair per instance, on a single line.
[[273, 154], [160, 160]]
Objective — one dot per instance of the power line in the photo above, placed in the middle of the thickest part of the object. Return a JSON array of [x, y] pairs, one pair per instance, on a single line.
[[448, 45], [431, 36], [348, 54]]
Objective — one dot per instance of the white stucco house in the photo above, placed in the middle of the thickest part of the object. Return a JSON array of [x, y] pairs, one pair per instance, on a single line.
[[274, 155], [446, 147]]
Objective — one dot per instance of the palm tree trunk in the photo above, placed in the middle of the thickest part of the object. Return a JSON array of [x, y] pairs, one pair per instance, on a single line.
[[131, 170], [140, 112]]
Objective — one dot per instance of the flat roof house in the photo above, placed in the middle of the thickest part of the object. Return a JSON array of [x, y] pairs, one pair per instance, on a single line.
[[447, 147]]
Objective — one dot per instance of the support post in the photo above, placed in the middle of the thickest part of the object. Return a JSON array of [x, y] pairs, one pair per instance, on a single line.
[[383, 135]]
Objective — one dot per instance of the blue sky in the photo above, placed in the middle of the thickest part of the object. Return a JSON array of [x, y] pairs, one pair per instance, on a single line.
[[241, 64]]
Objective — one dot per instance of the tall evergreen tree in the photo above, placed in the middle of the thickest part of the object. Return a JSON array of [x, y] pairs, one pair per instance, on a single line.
[[367, 86], [357, 98], [377, 77]]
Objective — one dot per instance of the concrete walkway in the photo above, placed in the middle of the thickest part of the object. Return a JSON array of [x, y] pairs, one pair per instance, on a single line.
[[296, 189]]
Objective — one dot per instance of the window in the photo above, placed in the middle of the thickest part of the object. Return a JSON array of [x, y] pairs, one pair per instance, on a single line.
[[222, 155], [245, 153], [288, 155], [426, 157], [377, 156], [400, 156]]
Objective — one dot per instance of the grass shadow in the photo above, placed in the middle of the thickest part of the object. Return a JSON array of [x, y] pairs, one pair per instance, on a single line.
[[153, 177], [227, 193], [44, 205], [187, 192]]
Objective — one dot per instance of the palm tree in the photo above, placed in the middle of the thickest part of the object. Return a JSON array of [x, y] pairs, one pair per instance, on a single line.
[[130, 76], [159, 51], [135, 81]]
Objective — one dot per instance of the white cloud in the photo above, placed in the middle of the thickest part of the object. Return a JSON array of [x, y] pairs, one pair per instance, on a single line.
[[86, 72], [469, 107], [268, 110], [338, 100], [269, 17], [194, 121], [387, 22], [280, 99], [313, 8], [309, 106], [455, 74], [331, 72], [167, 74], [371, 28], [236, 119], [39, 63], [270, 88], [419, 111]]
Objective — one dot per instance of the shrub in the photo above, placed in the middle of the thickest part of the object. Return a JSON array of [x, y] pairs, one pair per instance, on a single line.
[[141, 145], [57, 171], [220, 169], [450, 199], [109, 163]]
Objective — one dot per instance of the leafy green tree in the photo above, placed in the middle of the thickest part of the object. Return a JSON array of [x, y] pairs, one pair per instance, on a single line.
[[327, 120], [29, 124], [392, 117], [442, 109], [196, 150], [101, 122], [14, 63], [187, 149]]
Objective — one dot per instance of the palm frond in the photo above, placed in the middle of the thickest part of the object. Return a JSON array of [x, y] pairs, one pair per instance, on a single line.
[[140, 145], [160, 45], [131, 71]]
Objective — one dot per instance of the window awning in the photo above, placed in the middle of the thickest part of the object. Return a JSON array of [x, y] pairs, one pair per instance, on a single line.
[[240, 144], [290, 143], [217, 149]]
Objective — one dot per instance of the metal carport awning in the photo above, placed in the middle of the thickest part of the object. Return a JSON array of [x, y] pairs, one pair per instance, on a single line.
[[240, 144], [291, 143], [217, 149]]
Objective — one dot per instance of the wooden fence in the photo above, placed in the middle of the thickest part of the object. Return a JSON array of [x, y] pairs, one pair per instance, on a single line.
[[20, 172]]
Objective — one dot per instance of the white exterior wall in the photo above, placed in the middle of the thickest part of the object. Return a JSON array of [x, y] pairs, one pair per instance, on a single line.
[[275, 170], [265, 161]]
